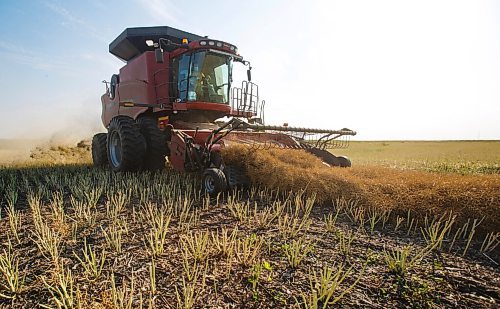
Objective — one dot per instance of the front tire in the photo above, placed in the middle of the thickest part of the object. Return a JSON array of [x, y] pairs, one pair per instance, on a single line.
[[126, 145], [214, 181], [99, 153]]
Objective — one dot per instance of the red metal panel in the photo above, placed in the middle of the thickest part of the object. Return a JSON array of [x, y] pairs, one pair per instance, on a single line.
[[142, 80], [198, 105], [109, 109], [135, 91], [177, 147], [144, 69]]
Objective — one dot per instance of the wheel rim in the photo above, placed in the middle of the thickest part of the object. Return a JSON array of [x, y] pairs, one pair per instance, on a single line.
[[115, 149], [209, 184]]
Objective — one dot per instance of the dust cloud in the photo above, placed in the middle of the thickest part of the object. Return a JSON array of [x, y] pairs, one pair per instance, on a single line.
[[32, 128]]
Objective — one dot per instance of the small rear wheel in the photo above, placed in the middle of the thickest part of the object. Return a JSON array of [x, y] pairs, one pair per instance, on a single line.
[[330, 158], [344, 161], [99, 153], [214, 181]]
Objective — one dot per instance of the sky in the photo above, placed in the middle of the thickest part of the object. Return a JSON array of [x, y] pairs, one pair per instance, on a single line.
[[390, 70]]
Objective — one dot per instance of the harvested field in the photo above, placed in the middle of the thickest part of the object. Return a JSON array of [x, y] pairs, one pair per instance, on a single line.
[[308, 236]]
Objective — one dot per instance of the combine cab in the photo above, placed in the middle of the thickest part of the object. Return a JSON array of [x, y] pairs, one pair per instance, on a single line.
[[167, 101]]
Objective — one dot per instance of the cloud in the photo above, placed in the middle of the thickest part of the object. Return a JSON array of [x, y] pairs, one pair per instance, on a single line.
[[37, 61], [162, 11], [13, 48], [50, 64], [72, 20]]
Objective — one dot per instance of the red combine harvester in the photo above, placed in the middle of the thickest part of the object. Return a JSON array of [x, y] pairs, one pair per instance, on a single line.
[[174, 98]]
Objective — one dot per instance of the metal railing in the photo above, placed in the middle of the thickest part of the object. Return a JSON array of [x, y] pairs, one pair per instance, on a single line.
[[245, 100]]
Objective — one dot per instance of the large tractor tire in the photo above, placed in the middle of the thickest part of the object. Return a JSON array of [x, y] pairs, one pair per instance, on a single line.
[[126, 145], [156, 144], [214, 181], [330, 158], [236, 177], [99, 153]]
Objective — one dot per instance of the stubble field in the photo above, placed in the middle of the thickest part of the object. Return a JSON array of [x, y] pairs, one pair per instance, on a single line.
[[412, 224]]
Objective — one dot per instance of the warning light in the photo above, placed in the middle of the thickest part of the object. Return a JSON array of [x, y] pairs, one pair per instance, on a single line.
[[184, 41]]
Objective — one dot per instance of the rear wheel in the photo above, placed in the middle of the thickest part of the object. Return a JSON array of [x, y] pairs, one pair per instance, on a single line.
[[156, 148], [214, 181], [330, 158], [126, 145], [344, 161], [99, 154]]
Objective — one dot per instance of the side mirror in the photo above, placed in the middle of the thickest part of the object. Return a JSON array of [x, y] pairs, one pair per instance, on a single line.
[[249, 75], [113, 83], [159, 55], [107, 86]]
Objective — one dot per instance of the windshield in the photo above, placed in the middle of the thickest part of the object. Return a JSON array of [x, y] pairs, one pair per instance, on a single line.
[[203, 76]]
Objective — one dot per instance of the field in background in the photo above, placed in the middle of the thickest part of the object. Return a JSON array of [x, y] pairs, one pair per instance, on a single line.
[[465, 157], [441, 156], [19, 152]]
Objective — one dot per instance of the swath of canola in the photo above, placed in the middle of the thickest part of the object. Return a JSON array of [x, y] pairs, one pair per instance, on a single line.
[[466, 196]]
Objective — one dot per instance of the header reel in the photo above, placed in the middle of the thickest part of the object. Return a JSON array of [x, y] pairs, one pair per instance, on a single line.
[[261, 136]]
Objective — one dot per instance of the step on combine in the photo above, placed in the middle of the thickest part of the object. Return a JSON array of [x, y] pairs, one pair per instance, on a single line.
[[174, 99]]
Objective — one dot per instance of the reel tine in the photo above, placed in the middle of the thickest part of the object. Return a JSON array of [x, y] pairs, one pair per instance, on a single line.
[[267, 137]]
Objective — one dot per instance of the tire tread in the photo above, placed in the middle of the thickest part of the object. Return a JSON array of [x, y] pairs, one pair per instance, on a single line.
[[132, 142]]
